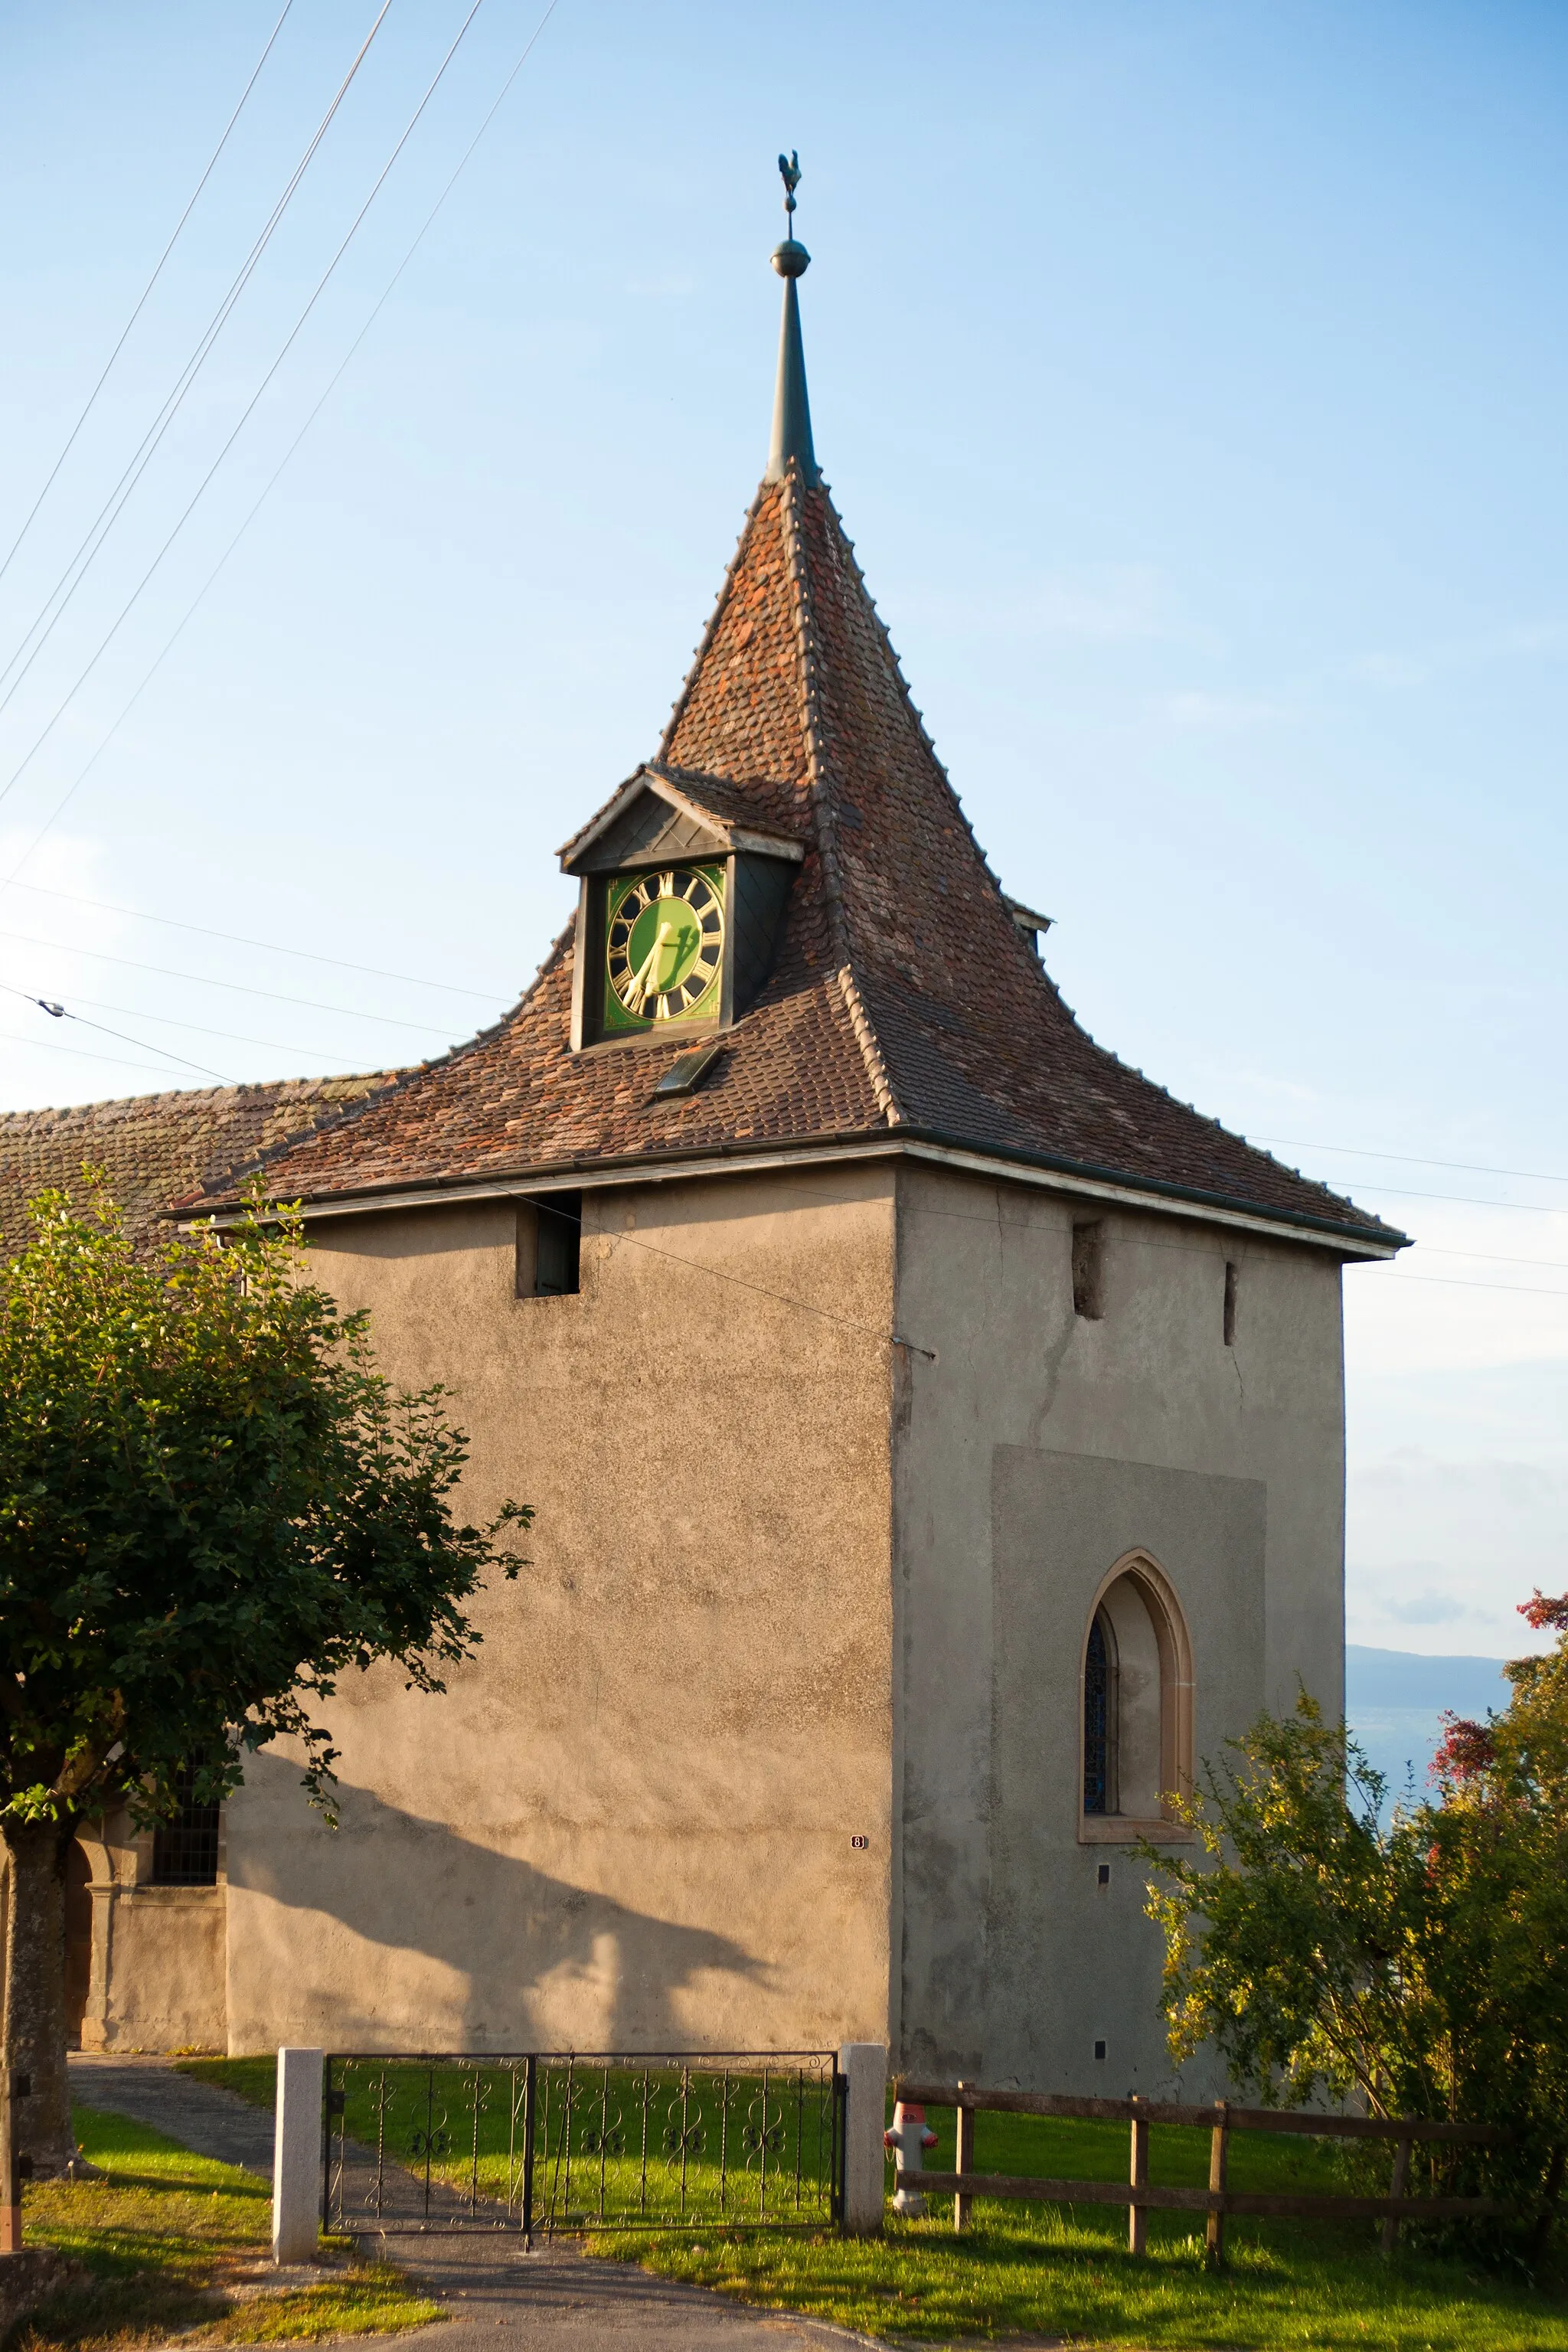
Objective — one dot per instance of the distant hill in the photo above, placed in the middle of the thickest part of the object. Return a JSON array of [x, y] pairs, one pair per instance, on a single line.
[[1395, 1700]]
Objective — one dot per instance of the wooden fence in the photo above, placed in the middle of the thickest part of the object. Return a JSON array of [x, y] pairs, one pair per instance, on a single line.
[[1215, 2202]]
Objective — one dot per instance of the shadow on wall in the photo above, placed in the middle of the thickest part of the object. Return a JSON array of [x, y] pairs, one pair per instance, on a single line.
[[540, 1963]]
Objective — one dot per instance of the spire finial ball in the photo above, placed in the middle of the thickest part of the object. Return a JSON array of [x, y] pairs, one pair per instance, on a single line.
[[792, 259]]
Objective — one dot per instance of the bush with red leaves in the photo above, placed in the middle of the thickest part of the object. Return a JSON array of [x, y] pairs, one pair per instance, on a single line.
[[1465, 1750]]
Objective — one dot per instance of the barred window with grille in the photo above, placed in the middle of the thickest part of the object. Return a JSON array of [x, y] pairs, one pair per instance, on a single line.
[[184, 1848]]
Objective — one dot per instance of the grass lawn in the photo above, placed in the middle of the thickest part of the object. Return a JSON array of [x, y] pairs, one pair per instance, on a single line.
[[1046, 2270], [254, 2079], [171, 2243]]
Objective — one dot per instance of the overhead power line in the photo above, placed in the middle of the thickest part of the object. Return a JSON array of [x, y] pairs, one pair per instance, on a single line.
[[235, 987], [63, 803], [238, 940], [76, 570], [146, 291], [1463, 1200], [1457, 1282], [78, 1054], [998, 1223], [1409, 1160], [1490, 1257], [228, 1036], [59, 1012], [250, 405]]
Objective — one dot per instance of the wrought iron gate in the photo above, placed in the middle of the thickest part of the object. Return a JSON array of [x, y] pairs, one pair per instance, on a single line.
[[544, 2142]]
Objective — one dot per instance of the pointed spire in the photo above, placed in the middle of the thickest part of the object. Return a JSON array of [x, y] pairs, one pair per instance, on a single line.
[[792, 409]]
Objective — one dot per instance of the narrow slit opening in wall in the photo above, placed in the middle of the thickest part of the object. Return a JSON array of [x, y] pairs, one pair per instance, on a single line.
[[1088, 1270], [1230, 1289], [550, 1245]]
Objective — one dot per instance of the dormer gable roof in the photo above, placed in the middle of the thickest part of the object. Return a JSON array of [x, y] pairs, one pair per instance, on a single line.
[[637, 818]]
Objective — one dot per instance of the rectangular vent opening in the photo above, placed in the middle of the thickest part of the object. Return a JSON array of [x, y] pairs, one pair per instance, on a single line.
[[550, 1245]]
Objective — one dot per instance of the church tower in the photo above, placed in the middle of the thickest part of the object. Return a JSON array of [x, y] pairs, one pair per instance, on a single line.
[[936, 1431]]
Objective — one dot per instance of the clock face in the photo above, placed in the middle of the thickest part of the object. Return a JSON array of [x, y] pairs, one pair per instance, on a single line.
[[664, 945]]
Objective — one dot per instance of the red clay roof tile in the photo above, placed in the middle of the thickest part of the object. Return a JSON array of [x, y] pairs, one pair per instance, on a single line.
[[157, 1148]]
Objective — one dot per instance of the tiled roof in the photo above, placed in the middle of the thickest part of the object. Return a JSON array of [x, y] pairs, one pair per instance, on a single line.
[[904, 998], [157, 1147]]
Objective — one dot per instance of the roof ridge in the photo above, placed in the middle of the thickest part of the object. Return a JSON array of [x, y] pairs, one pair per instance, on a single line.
[[230, 1088], [870, 1051], [678, 709], [226, 1178], [797, 571]]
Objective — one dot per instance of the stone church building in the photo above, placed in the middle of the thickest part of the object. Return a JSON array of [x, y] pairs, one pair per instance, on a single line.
[[935, 1430]]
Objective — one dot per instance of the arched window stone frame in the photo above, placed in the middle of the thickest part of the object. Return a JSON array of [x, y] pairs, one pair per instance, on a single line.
[[1153, 1735]]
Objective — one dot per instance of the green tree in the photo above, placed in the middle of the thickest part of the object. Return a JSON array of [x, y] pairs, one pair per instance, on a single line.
[[212, 1504], [1420, 1969]]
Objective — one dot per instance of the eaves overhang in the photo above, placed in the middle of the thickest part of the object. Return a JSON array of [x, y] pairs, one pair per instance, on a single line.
[[1047, 1170]]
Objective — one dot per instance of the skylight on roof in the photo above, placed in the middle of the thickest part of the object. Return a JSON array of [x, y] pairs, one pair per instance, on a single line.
[[686, 1072]]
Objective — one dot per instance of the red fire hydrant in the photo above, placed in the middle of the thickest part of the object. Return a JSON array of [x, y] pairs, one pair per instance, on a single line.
[[908, 2140]]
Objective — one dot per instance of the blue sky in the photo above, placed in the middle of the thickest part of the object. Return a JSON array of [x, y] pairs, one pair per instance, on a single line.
[[1190, 378]]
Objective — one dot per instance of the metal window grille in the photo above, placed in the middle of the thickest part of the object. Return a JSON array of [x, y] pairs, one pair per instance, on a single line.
[[184, 1849]]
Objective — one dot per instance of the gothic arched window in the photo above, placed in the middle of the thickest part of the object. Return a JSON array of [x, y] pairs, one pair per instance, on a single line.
[[1137, 1703], [1099, 1718]]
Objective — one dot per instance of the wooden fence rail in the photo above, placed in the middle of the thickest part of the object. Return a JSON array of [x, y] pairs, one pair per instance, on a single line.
[[1218, 2199]]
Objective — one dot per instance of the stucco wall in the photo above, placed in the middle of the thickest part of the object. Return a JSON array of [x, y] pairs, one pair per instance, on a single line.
[[166, 1953], [156, 1964], [628, 1822], [1038, 1448]]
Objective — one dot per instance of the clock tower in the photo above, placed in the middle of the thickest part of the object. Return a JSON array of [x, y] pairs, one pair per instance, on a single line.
[[992, 1474]]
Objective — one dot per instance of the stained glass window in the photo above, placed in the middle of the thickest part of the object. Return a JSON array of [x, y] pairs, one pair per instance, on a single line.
[[1098, 1720]]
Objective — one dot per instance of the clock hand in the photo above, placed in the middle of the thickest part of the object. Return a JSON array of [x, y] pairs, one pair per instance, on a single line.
[[635, 990], [636, 994]]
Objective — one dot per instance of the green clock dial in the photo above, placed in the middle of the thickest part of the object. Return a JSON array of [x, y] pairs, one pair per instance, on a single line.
[[664, 944]]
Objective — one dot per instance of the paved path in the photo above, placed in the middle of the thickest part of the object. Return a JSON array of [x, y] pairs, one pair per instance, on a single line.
[[198, 2114], [501, 2299], [561, 2301]]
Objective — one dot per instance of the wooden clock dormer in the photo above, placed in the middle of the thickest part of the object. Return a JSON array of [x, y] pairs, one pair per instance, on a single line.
[[682, 889]]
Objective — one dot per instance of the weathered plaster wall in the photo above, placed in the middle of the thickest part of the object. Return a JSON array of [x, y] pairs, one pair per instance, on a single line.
[[166, 1950], [156, 1970], [1037, 1449], [627, 1823]]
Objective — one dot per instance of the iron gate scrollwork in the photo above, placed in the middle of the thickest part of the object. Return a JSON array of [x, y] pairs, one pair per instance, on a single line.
[[543, 2142]]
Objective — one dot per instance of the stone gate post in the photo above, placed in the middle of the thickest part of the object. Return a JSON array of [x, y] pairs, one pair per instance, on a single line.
[[865, 2066], [297, 2157]]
